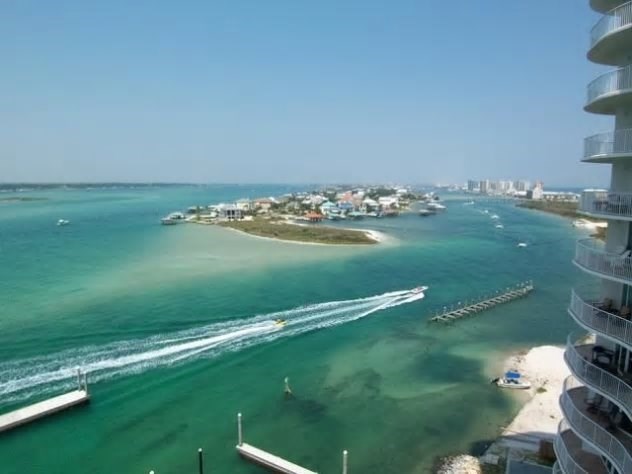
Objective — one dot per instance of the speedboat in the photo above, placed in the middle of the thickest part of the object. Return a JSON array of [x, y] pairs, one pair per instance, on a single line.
[[494, 216], [522, 244], [280, 323], [61, 222], [512, 379], [419, 289], [427, 212], [518, 384], [435, 206], [499, 226]]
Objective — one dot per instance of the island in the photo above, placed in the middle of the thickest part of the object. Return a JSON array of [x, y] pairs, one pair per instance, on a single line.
[[298, 217], [566, 208], [305, 233]]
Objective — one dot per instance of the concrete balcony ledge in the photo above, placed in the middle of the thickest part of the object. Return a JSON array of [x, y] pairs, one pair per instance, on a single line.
[[600, 375], [591, 256], [610, 91], [571, 456], [594, 426], [604, 6], [601, 318], [608, 147], [611, 35], [607, 204]]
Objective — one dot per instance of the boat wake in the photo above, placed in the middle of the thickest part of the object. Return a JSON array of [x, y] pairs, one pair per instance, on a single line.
[[23, 379]]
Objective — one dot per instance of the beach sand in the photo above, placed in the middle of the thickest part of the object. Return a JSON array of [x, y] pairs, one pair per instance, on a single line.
[[538, 419]]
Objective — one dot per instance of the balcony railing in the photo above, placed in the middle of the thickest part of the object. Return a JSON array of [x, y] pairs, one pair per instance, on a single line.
[[617, 18], [600, 379], [594, 258], [593, 317], [567, 464], [606, 144], [608, 204], [618, 80], [590, 431]]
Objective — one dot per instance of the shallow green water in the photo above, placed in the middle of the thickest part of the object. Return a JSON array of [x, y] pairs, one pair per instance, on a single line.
[[124, 297]]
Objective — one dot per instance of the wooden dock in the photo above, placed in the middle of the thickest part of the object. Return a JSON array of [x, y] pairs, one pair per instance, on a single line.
[[468, 309], [271, 461], [39, 410]]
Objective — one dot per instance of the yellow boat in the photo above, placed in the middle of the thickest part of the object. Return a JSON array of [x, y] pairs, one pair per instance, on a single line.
[[280, 323]]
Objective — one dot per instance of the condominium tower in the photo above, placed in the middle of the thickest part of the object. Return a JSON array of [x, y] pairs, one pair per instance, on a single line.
[[595, 435]]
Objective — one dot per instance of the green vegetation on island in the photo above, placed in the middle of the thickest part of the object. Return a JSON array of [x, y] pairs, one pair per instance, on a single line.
[[300, 233], [561, 208]]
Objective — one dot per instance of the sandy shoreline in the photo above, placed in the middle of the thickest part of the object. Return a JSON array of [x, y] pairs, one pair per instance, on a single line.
[[538, 419]]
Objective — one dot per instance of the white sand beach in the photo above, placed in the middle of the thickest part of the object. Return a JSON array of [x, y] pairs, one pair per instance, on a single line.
[[538, 419]]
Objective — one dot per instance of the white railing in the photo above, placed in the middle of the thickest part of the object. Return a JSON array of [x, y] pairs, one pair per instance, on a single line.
[[601, 380], [593, 257], [619, 17], [600, 321], [608, 143], [617, 80], [607, 203], [566, 462], [592, 432]]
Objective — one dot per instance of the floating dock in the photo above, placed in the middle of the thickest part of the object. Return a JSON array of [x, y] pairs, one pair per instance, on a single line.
[[468, 309], [271, 461], [39, 410], [264, 458]]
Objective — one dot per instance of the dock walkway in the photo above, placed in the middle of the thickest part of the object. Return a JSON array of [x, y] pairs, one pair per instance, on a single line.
[[33, 412], [452, 314], [270, 461]]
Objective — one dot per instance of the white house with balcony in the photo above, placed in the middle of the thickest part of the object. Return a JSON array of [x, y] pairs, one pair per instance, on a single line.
[[596, 433]]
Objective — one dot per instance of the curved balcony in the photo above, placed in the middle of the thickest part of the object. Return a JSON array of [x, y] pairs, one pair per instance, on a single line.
[[610, 91], [604, 6], [607, 204], [611, 35], [608, 147], [599, 376], [593, 258], [571, 457], [595, 428], [594, 317]]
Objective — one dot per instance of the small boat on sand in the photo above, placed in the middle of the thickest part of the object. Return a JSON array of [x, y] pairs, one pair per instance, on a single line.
[[512, 379]]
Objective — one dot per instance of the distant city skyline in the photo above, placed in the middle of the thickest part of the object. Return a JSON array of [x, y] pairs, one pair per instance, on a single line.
[[296, 93]]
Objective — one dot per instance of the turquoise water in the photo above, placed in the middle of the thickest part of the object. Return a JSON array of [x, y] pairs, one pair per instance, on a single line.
[[174, 326]]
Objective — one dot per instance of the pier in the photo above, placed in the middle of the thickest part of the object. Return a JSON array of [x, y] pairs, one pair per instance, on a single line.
[[271, 461], [39, 410], [463, 310]]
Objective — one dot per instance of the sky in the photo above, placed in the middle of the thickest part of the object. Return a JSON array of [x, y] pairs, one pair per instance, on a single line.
[[293, 91]]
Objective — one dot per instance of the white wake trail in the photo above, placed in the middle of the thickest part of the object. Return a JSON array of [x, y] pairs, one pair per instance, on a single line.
[[22, 379]]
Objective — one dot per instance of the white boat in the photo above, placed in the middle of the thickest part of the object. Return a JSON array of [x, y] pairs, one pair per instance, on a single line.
[[512, 379], [494, 216], [61, 222], [435, 206], [518, 383], [499, 226], [427, 212], [522, 244]]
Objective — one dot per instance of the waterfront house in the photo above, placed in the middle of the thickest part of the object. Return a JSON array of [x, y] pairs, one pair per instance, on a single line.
[[264, 203], [314, 216], [229, 211], [244, 205]]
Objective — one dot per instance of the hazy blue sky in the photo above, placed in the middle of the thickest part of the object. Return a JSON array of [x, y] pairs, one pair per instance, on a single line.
[[296, 91]]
